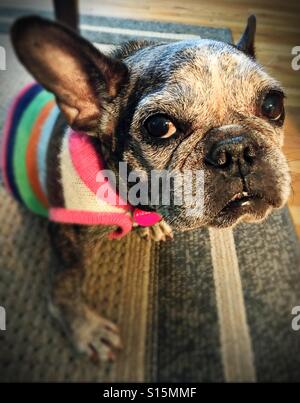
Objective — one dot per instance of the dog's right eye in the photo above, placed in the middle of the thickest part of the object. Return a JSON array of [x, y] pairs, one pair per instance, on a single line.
[[160, 126]]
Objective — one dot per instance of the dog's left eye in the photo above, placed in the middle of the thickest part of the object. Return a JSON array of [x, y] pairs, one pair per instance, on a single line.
[[272, 106], [160, 126]]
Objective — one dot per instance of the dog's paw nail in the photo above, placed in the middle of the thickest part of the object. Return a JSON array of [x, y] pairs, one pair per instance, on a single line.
[[93, 355], [111, 356], [98, 338]]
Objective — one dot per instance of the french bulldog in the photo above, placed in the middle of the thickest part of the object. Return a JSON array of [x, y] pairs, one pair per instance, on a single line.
[[191, 105]]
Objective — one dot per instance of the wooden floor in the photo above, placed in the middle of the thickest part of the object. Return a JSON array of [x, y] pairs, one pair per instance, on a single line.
[[278, 32]]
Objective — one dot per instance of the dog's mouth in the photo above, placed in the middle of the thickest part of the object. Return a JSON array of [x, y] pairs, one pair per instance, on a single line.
[[241, 200], [241, 204]]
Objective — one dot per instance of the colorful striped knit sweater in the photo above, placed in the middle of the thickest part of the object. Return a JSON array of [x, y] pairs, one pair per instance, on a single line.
[[26, 139]]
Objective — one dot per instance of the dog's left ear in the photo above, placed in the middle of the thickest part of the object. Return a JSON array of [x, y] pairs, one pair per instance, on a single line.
[[82, 78], [246, 42]]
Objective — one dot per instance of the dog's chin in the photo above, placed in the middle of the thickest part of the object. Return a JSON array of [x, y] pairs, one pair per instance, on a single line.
[[230, 216], [244, 208], [240, 208]]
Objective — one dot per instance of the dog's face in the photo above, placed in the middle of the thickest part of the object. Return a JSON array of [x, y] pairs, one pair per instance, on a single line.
[[209, 107], [197, 105]]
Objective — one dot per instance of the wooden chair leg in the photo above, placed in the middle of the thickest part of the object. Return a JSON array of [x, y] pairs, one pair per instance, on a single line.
[[66, 11]]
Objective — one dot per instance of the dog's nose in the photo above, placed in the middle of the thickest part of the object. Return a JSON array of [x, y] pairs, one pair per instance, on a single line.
[[235, 153]]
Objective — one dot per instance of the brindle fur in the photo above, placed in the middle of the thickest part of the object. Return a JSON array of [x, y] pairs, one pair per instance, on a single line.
[[210, 89]]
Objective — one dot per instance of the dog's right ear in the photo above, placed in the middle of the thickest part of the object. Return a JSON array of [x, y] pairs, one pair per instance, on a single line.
[[81, 77]]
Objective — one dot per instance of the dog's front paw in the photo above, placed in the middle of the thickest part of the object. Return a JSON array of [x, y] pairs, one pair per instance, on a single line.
[[160, 231], [96, 337], [90, 334]]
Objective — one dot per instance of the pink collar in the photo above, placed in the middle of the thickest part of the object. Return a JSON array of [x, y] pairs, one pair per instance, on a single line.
[[89, 166]]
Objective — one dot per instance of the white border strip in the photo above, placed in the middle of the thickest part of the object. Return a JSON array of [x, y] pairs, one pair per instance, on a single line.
[[236, 346], [136, 32]]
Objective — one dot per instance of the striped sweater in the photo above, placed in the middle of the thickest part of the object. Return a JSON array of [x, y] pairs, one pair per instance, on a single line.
[[26, 142]]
